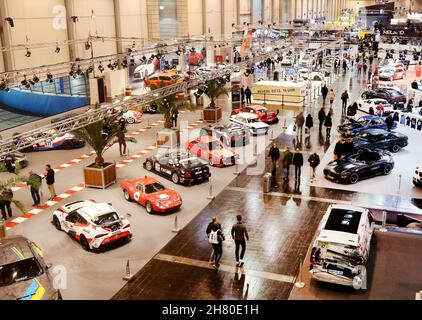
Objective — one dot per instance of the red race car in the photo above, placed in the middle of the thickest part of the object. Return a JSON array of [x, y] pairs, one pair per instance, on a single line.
[[263, 113], [213, 150], [151, 194]]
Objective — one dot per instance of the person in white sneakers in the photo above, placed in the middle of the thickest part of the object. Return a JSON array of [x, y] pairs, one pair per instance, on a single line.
[[314, 162], [240, 235]]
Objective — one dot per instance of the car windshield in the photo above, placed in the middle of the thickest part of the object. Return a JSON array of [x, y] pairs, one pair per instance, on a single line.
[[153, 188], [186, 163], [19, 271], [106, 218], [215, 145], [253, 120], [387, 71]]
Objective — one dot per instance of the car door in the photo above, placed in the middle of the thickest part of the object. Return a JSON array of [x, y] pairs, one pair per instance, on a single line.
[[161, 165], [139, 194], [69, 223], [365, 169]]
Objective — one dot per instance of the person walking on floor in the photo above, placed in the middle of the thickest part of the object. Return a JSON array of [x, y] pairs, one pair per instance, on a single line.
[[174, 118], [6, 197], [216, 238], [49, 176], [328, 123], [389, 121], [344, 99], [34, 183], [324, 92], [331, 97], [286, 161], [298, 163], [314, 162], [321, 118], [10, 163], [248, 95], [214, 221], [240, 235], [309, 123], [242, 95], [300, 121], [121, 139], [274, 154]]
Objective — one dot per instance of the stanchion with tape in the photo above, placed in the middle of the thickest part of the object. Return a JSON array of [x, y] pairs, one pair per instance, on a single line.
[[384, 221], [255, 149], [128, 276], [272, 135], [399, 190], [236, 169], [299, 282], [176, 226], [210, 195]]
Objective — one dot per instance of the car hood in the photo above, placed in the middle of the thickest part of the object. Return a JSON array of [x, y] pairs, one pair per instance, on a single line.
[[165, 195], [39, 288], [350, 126], [258, 125], [342, 165], [225, 153]]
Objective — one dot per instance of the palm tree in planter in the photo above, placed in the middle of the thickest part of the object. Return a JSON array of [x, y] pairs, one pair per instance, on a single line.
[[100, 135], [214, 91]]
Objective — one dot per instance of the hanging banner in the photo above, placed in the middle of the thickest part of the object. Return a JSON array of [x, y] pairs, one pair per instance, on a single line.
[[247, 40]]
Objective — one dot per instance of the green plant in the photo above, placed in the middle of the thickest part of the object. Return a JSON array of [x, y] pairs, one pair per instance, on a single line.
[[214, 91], [169, 105], [10, 183]]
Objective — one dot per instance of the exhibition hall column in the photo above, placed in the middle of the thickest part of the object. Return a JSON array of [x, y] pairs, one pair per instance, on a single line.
[[7, 61], [153, 18]]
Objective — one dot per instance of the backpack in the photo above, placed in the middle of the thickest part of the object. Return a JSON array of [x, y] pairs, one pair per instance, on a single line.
[[213, 237]]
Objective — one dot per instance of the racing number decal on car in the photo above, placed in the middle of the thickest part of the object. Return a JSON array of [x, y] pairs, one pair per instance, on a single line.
[[137, 196], [157, 167]]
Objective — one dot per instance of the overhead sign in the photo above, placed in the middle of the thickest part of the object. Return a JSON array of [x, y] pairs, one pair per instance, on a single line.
[[411, 33]]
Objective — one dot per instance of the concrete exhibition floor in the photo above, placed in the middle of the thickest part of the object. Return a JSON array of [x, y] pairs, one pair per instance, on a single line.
[[282, 224]]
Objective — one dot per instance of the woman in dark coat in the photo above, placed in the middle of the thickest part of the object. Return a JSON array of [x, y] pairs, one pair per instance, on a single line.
[[309, 123], [328, 123]]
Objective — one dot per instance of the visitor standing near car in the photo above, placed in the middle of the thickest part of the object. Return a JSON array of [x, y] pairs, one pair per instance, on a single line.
[[6, 197], [300, 121], [314, 162], [328, 123], [274, 154], [174, 117], [344, 99], [331, 97], [34, 182], [240, 235], [349, 148], [389, 121], [121, 139], [324, 92], [242, 95], [216, 238], [287, 162], [309, 123], [248, 95], [49, 176], [339, 149], [298, 163], [321, 118]]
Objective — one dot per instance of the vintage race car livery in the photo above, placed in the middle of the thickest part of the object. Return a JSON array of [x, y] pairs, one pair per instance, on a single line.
[[151, 194], [65, 141], [94, 225]]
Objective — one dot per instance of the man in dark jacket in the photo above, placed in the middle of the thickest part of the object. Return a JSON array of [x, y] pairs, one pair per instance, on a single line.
[[34, 183], [215, 237], [309, 123], [321, 118], [324, 92], [389, 121], [339, 149], [415, 85], [50, 180], [287, 161], [349, 148], [274, 154], [314, 162], [5, 203], [242, 95], [240, 235], [248, 95], [344, 99], [10, 163], [298, 163]]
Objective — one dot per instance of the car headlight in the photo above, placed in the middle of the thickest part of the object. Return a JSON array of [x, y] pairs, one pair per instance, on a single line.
[[160, 205], [345, 174], [179, 199]]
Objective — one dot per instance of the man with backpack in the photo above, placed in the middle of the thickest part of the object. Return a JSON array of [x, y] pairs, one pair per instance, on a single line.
[[240, 235], [216, 238]]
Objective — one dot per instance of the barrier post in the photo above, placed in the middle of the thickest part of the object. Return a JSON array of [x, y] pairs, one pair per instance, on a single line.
[[210, 195], [176, 226], [272, 135], [255, 149], [399, 190], [300, 283], [128, 276], [236, 169], [2, 228], [384, 221]]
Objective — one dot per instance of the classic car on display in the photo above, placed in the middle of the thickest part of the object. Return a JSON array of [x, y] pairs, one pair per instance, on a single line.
[[151, 194], [23, 273], [361, 165], [212, 150], [251, 122], [365, 105], [394, 97], [263, 113], [391, 73], [380, 139], [352, 127], [232, 135], [341, 249], [94, 225], [65, 141], [179, 167], [163, 79]]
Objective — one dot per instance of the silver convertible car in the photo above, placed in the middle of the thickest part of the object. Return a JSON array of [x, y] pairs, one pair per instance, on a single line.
[[23, 273]]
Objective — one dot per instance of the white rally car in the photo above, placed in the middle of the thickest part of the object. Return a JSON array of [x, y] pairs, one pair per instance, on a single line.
[[251, 122], [366, 104], [133, 116], [94, 225]]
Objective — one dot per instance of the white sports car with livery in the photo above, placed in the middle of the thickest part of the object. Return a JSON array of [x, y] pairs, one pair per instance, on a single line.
[[94, 225]]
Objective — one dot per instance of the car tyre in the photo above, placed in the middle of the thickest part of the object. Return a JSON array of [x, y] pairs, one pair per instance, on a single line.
[[56, 223], [354, 178], [130, 120], [67, 145], [149, 166], [387, 169], [148, 207], [175, 178], [396, 148], [84, 243], [127, 196]]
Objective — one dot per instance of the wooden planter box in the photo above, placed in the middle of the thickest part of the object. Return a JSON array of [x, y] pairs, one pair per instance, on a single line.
[[213, 115], [100, 178]]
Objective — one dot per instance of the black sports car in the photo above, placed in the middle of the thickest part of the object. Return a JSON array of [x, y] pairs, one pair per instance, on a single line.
[[230, 134], [179, 168], [393, 96], [380, 139], [19, 158], [363, 164]]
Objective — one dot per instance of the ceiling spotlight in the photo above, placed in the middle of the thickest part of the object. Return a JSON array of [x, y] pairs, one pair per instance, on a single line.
[[75, 19], [101, 68], [90, 69], [179, 52], [87, 45], [11, 22], [110, 66], [49, 78], [220, 82], [132, 62], [25, 83], [143, 59], [35, 79], [28, 53]]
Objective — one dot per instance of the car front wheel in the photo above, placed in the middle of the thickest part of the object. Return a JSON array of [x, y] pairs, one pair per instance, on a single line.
[[387, 169], [175, 178], [396, 148], [127, 195], [130, 120], [84, 243], [57, 223], [148, 207], [354, 178]]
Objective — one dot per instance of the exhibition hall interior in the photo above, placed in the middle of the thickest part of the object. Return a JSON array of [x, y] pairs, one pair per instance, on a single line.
[[210, 150]]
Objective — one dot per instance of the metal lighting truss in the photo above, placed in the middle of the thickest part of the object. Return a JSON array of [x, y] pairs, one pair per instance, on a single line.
[[48, 132]]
